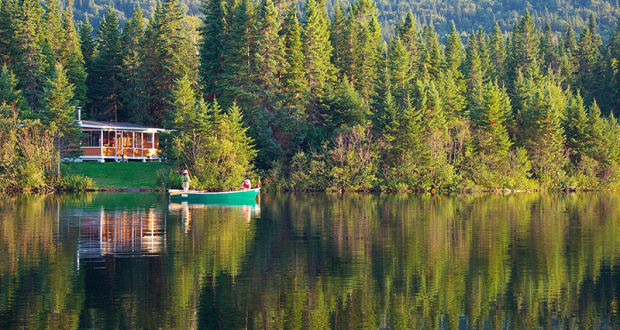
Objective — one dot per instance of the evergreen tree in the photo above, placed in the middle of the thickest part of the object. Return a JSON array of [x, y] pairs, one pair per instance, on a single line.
[[408, 34], [497, 56], [548, 49], [168, 54], [492, 138], [340, 32], [30, 66], [238, 56], [269, 58], [431, 60], [70, 56], [587, 56], [317, 47], [59, 107], [474, 74], [524, 55], [214, 32], [134, 102], [295, 82], [544, 135], [52, 34], [87, 44], [9, 94], [367, 47], [453, 53], [8, 24], [576, 128], [400, 71], [107, 66]]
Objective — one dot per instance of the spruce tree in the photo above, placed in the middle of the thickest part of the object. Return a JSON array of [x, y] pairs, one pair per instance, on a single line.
[[107, 67], [214, 32], [59, 108], [576, 129], [70, 55], [30, 66], [134, 102], [524, 54], [317, 47], [9, 94], [295, 82], [9, 10], [400, 70], [497, 56]]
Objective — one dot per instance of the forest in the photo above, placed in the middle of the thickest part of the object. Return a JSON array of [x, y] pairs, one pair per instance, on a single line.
[[304, 100]]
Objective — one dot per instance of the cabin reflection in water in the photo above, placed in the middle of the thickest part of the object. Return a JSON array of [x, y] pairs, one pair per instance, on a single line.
[[121, 233]]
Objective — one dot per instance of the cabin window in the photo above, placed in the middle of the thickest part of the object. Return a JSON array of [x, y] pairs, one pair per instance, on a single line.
[[149, 138], [92, 139], [108, 138], [138, 141], [127, 140]]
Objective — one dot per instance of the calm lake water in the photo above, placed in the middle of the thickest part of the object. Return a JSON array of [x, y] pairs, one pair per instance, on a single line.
[[310, 261]]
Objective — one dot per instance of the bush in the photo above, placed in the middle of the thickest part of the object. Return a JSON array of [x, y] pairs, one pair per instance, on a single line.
[[76, 182]]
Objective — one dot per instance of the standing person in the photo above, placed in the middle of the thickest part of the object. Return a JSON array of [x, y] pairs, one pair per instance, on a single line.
[[186, 181]]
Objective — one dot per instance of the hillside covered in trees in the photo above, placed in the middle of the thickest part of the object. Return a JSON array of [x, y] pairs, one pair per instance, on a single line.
[[468, 15], [318, 101]]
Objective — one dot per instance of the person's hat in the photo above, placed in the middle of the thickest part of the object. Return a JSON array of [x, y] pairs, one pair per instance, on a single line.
[[185, 172]]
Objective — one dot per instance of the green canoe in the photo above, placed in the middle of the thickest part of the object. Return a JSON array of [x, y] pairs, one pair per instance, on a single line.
[[236, 197]]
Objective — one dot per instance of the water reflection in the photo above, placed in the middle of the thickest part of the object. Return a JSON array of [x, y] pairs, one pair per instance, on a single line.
[[121, 233], [311, 261]]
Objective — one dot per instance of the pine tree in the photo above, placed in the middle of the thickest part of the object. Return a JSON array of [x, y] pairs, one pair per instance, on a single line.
[[238, 56], [431, 60], [317, 47], [614, 63], [548, 49], [214, 32], [452, 84], [367, 47], [107, 66], [30, 66], [453, 53], [587, 55], [492, 138], [59, 107], [167, 55], [295, 82], [269, 58], [408, 34], [87, 44], [9, 94], [134, 102], [400, 70], [474, 74], [524, 55], [340, 33], [576, 128], [497, 56], [8, 24], [70, 56], [52, 34], [544, 135]]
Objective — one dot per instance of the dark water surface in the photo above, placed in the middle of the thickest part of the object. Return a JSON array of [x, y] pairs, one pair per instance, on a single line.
[[310, 261]]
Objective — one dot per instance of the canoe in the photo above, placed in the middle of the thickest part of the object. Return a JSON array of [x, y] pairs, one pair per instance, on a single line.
[[236, 197]]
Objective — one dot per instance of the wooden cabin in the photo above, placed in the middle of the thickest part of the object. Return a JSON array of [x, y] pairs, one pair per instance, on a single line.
[[119, 141]]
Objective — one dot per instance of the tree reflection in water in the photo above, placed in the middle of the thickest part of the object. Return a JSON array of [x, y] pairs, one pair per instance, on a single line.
[[306, 261]]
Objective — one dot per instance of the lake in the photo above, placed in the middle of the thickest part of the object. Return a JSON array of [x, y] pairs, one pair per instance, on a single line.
[[311, 261]]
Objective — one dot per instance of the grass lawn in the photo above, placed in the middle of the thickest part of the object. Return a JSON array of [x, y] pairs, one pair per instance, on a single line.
[[129, 175]]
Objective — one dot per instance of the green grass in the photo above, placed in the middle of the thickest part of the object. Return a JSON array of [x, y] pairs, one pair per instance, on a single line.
[[132, 175]]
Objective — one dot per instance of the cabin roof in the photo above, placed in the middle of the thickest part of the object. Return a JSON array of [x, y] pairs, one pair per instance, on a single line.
[[108, 125]]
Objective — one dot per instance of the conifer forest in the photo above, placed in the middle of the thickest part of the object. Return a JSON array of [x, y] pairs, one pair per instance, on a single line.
[[316, 95]]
